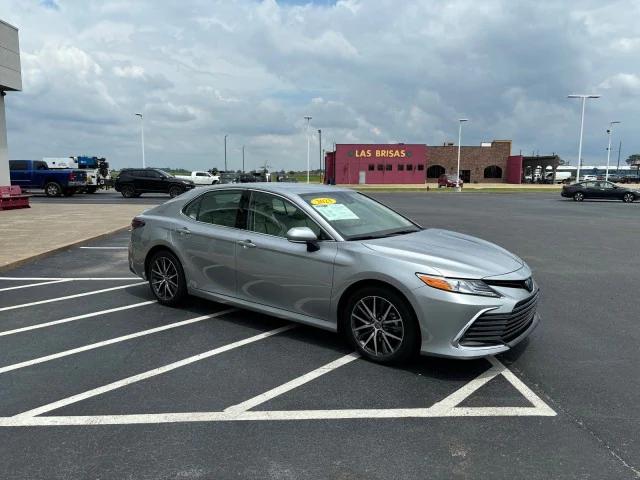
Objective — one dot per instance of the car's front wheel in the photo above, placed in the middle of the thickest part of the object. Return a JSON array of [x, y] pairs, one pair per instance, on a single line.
[[578, 196], [381, 325], [174, 191], [52, 189], [628, 197], [166, 278]]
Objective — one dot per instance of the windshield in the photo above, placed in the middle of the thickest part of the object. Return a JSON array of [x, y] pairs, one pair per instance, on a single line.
[[358, 217]]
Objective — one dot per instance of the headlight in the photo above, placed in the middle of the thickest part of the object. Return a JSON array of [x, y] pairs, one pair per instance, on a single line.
[[459, 285]]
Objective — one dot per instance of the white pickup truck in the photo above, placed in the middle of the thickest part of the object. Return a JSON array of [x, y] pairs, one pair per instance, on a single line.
[[201, 178]]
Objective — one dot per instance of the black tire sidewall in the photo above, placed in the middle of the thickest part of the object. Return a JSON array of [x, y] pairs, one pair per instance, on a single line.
[[631, 197], [182, 283], [410, 345], [176, 190], [578, 196], [127, 191]]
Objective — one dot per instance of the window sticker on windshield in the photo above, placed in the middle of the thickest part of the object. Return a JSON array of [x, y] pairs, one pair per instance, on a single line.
[[322, 201], [336, 211]]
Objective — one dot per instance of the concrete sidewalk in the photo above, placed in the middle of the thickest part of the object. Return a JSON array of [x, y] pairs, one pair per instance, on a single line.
[[31, 232]]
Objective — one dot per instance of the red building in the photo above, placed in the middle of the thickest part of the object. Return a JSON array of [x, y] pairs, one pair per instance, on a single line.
[[376, 163]]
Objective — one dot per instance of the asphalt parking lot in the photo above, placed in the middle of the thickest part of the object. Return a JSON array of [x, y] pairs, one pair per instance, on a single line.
[[99, 381]]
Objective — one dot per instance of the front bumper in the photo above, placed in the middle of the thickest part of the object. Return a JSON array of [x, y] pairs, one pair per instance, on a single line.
[[444, 318]]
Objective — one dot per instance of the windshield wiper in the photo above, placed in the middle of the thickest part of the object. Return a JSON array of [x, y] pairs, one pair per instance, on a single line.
[[385, 235], [364, 237]]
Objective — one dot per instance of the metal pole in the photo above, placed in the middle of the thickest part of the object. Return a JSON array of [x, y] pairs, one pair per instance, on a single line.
[[308, 118], [225, 153], [320, 154], [584, 101], [144, 165], [619, 148], [460, 121], [242, 158], [606, 175]]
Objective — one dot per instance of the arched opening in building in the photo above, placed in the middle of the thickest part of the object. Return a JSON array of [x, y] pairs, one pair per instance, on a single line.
[[434, 171], [493, 171]]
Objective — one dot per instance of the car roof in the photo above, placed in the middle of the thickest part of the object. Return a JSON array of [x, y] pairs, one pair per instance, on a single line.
[[285, 188]]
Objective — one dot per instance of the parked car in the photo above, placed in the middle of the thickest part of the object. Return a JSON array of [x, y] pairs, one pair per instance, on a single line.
[[30, 174], [133, 182], [339, 260], [447, 180], [586, 178], [201, 178], [228, 177], [600, 189]]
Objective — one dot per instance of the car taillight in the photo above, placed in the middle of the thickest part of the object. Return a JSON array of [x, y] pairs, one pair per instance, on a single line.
[[137, 223]]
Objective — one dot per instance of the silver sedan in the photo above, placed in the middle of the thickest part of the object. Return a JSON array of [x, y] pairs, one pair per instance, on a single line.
[[339, 260]]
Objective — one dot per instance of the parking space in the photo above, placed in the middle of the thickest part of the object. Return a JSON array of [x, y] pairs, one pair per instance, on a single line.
[[94, 372]]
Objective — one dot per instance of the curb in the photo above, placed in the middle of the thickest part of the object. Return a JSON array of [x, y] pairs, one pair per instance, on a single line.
[[67, 246]]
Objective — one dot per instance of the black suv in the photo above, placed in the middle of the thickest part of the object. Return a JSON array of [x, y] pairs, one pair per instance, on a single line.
[[133, 182]]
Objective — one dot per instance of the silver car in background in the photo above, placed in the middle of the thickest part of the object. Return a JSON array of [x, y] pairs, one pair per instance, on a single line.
[[339, 260]]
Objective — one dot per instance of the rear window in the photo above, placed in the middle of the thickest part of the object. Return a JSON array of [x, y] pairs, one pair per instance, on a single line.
[[18, 165], [217, 208]]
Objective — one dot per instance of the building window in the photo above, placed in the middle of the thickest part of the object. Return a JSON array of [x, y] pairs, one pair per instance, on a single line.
[[421, 167], [409, 167], [434, 171], [400, 167], [380, 167], [371, 167], [389, 167], [493, 171]]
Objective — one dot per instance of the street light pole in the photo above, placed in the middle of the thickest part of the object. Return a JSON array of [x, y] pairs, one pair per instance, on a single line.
[[225, 153], [242, 158], [320, 154], [308, 119], [144, 165], [584, 101], [460, 122], [606, 177]]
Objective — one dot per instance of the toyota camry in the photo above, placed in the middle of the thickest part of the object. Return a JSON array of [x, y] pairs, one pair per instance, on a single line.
[[339, 260]]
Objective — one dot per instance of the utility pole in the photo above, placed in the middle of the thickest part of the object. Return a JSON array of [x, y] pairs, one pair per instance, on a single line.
[[242, 158], [609, 131], [584, 101], [308, 119], [460, 122], [225, 153], [144, 165], [619, 148]]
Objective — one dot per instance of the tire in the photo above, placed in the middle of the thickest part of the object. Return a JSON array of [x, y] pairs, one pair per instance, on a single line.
[[52, 189], [92, 189], [394, 340], [628, 197], [127, 191], [174, 191], [166, 279], [215, 182], [578, 196]]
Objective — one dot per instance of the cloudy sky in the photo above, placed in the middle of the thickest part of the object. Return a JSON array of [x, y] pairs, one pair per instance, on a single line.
[[366, 70]]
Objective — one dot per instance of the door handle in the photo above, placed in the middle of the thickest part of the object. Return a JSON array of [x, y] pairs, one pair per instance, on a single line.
[[184, 231], [246, 244]]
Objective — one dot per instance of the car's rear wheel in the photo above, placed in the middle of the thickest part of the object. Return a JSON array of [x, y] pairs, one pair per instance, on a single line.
[[174, 191], [52, 189], [628, 197], [127, 191], [381, 325], [578, 196], [166, 278]]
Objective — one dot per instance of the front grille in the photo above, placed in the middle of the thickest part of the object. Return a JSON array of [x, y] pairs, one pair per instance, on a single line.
[[526, 284], [500, 328]]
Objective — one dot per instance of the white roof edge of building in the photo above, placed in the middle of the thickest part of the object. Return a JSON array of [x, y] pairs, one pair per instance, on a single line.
[[8, 24]]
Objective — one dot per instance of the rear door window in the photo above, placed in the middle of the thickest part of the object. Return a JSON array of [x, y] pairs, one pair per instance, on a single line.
[[217, 208], [18, 165]]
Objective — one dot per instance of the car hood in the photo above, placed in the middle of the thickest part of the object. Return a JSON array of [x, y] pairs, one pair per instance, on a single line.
[[452, 254]]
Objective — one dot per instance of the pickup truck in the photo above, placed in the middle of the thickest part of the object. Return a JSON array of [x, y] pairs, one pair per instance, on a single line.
[[201, 178], [34, 174]]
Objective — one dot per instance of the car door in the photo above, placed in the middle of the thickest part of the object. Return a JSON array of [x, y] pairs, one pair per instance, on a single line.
[[590, 189], [275, 272], [609, 191], [207, 237], [156, 182]]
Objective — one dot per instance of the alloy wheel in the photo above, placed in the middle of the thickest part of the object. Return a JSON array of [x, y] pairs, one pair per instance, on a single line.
[[164, 278], [578, 197], [377, 326], [628, 197]]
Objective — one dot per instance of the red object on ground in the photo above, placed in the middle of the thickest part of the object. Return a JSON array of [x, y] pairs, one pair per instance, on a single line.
[[12, 197], [514, 169]]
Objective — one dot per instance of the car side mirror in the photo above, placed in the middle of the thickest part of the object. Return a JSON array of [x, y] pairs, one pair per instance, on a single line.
[[303, 235]]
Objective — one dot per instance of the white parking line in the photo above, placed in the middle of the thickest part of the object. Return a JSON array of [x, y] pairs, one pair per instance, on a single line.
[[111, 341], [77, 279], [35, 284], [104, 248], [72, 319], [148, 374], [59, 299], [295, 383]]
